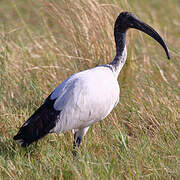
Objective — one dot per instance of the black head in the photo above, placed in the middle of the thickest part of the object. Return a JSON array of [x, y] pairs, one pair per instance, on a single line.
[[127, 20]]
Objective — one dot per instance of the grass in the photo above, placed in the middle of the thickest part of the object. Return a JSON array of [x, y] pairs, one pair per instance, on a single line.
[[43, 42]]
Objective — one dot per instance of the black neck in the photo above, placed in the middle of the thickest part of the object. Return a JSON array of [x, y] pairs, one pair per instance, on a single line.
[[120, 39], [120, 58]]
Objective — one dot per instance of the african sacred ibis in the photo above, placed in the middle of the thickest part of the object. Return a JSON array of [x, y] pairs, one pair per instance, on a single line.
[[85, 97]]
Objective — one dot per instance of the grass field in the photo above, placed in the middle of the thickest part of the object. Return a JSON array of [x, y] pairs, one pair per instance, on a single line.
[[43, 42]]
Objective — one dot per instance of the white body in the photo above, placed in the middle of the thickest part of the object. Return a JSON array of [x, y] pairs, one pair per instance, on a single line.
[[85, 98]]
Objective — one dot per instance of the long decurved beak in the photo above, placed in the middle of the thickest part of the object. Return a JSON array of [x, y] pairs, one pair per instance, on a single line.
[[137, 24]]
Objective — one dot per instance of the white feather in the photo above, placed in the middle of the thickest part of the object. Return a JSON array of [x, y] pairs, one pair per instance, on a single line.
[[85, 98]]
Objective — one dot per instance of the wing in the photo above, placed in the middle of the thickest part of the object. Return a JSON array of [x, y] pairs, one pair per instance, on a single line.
[[44, 118], [85, 98]]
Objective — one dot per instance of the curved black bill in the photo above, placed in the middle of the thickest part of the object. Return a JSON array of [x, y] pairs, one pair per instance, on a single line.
[[151, 32]]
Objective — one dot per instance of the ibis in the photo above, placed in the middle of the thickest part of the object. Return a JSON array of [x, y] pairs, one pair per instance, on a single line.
[[87, 96]]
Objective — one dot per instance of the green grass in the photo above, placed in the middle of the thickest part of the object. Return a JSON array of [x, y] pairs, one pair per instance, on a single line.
[[43, 42]]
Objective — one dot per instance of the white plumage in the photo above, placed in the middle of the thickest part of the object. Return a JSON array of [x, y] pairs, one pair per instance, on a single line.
[[85, 98]]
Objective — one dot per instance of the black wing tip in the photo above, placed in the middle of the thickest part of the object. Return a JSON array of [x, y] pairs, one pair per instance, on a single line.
[[22, 138], [21, 141], [38, 125], [17, 137]]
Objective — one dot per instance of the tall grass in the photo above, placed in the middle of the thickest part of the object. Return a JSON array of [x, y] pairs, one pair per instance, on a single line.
[[43, 42]]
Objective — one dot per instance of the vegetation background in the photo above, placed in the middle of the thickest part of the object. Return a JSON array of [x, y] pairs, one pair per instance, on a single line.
[[45, 41]]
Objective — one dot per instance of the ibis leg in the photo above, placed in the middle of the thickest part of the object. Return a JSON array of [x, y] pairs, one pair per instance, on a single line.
[[78, 135], [76, 143]]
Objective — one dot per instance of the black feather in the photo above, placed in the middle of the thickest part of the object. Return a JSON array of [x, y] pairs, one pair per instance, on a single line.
[[39, 124]]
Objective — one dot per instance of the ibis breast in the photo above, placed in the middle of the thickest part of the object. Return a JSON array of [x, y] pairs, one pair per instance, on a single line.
[[85, 98]]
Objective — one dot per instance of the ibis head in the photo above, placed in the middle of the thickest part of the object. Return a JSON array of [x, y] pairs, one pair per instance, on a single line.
[[127, 20]]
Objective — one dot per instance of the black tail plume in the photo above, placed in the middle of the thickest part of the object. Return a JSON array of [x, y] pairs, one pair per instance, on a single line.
[[39, 124]]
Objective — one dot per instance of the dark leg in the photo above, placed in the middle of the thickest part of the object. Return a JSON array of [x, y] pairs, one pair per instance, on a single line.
[[78, 135], [74, 146], [76, 143]]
